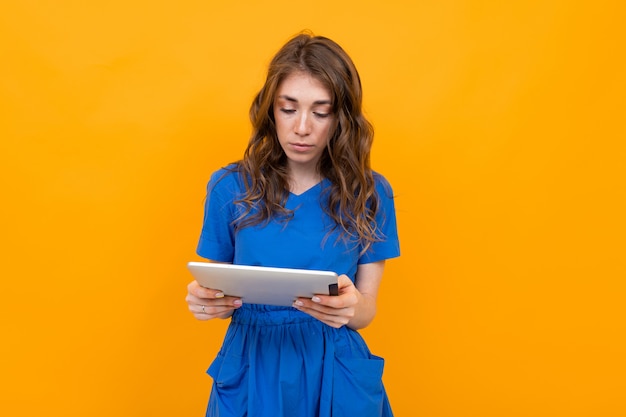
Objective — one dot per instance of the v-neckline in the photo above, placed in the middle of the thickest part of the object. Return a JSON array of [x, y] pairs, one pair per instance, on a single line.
[[307, 191]]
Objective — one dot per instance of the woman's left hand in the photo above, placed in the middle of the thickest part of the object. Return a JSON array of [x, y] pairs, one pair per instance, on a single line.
[[334, 310]]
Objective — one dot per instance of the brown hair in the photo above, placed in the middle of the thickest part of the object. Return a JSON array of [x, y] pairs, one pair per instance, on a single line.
[[352, 200]]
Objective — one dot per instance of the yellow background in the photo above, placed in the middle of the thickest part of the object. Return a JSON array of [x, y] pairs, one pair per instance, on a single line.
[[501, 126]]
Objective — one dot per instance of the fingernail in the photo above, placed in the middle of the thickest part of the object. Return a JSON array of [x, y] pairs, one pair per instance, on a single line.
[[237, 302], [298, 303], [219, 295], [316, 299]]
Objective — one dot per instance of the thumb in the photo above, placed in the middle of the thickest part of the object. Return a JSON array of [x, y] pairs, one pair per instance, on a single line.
[[343, 282]]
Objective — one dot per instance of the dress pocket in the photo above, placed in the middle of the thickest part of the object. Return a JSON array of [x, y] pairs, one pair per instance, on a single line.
[[358, 387], [230, 375]]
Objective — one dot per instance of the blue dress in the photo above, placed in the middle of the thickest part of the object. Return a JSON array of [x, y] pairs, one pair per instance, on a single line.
[[278, 361]]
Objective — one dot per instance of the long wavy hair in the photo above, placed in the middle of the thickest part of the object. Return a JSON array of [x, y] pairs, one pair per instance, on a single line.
[[352, 199]]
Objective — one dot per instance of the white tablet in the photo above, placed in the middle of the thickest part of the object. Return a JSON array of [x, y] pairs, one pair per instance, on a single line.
[[264, 285]]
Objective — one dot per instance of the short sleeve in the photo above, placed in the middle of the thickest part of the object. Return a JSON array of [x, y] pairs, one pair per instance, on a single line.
[[217, 241], [389, 245]]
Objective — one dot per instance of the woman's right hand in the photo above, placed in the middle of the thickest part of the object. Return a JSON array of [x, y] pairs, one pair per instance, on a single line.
[[206, 304]]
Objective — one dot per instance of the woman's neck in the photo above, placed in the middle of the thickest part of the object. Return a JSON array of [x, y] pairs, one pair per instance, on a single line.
[[301, 180]]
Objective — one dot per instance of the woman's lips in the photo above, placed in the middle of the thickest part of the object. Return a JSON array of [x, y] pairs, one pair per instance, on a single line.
[[301, 147]]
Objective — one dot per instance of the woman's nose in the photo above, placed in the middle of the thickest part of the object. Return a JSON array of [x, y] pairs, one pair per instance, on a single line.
[[302, 125]]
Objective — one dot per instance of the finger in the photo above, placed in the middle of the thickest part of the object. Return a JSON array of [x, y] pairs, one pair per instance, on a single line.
[[200, 295], [332, 320], [343, 281], [214, 312], [329, 315], [201, 292], [214, 309], [345, 300], [347, 294], [193, 301], [326, 311], [210, 310]]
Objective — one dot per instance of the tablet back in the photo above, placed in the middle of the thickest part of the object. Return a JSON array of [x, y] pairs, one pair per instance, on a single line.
[[264, 285]]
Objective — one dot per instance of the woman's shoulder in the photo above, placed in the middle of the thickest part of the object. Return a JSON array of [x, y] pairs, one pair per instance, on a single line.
[[382, 184], [227, 178]]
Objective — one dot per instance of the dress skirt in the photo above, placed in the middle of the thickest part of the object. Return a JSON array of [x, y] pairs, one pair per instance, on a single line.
[[280, 362]]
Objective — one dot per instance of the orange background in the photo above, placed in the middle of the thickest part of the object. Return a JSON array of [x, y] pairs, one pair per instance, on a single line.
[[501, 126]]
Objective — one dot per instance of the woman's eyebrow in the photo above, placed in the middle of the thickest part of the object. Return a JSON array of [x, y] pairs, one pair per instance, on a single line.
[[295, 100]]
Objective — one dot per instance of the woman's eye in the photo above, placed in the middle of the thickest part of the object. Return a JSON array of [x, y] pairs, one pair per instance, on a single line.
[[288, 111], [322, 115]]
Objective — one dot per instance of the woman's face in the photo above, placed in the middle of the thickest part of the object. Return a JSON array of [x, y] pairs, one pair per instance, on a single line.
[[303, 115]]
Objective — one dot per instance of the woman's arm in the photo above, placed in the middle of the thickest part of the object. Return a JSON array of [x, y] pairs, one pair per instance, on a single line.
[[355, 306]]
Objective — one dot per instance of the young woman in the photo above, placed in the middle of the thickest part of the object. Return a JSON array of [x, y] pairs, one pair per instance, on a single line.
[[303, 196]]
